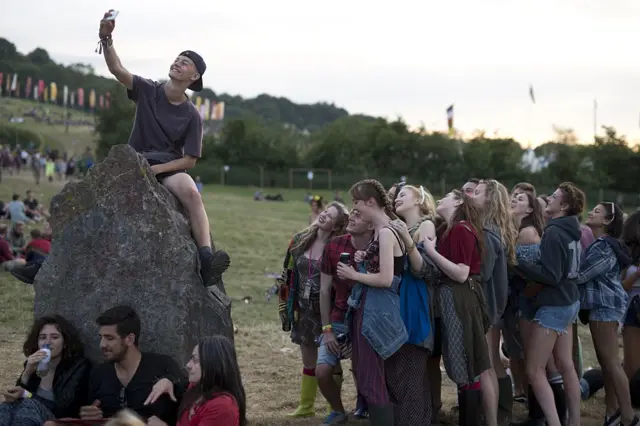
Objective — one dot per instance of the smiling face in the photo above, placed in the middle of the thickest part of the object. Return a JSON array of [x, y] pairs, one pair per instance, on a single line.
[[114, 347], [183, 69], [555, 204], [50, 335], [327, 219], [520, 205], [469, 188], [357, 225], [405, 201], [597, 218], [194, 369]]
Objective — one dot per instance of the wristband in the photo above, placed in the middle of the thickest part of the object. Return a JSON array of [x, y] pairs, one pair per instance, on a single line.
[[327, 327], [26, 394]]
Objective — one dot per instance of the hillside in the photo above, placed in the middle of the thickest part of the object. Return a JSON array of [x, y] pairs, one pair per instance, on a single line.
[[40, 66]]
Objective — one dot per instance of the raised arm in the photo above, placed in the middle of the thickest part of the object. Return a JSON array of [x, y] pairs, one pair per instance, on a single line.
[[110, 55]]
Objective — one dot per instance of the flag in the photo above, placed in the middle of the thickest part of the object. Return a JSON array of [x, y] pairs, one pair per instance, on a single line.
[[65, 95], [35, 93], [219, 111], [14, 83], [45, 97], [198, 102], [92, 99], [107, 100], [101, 101], [53, 92], [531, 95], [8, 86], [81, 97], [450, 120], [72, 99], [27, 88], [207, 109], [40, 89]]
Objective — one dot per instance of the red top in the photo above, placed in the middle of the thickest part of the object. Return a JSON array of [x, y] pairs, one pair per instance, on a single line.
[[460, 246], [6, 253], [222, 410], [40, 245], [329, 266]]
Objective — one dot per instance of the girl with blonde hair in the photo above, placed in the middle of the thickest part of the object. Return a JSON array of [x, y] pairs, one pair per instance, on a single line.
[[500, 235], [299, 295]]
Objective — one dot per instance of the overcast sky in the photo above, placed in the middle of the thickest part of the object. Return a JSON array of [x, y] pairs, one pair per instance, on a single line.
[[411, 58]]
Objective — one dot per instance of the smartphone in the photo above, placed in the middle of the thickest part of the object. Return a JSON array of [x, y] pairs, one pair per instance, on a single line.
[[112, 16]]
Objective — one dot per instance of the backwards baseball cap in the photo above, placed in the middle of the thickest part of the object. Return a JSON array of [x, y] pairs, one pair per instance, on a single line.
[[196, 86]]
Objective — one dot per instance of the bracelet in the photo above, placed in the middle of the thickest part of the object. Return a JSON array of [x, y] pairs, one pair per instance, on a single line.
[[327, 327], [26, 394]]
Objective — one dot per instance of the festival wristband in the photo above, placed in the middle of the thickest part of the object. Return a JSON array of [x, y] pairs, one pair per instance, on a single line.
[[26, 394], [327, 327]]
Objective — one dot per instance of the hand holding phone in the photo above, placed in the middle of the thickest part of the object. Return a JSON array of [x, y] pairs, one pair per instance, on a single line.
[[111, 15]]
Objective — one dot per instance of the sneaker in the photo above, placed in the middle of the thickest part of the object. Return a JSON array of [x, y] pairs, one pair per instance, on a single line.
[[635, 421], [613, 420], [360, 413], [212, 272], [335, 418]]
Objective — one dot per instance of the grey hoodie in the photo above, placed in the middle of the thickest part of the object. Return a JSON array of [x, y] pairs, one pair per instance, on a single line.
[[495, 281], [559, 263]]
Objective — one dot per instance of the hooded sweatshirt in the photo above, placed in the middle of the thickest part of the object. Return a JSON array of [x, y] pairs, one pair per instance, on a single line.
[[559, 263], [600, 272], [495, 281]]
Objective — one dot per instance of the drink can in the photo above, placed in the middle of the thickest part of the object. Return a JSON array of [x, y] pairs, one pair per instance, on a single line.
[[345, 258]]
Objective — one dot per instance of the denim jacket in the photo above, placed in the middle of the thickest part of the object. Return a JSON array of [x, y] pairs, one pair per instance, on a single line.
[[599, 278], [382, 323]]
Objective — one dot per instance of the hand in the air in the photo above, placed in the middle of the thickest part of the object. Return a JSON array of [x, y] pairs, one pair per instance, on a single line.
[[163, 386], [106, 27]]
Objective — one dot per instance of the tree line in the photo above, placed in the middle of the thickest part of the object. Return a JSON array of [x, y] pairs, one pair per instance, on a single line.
[[354, 147]]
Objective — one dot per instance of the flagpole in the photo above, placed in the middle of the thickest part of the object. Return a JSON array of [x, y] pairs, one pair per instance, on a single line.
[[595, 119]]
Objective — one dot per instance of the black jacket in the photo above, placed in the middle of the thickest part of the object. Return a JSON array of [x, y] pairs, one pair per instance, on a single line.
[[70, 386]]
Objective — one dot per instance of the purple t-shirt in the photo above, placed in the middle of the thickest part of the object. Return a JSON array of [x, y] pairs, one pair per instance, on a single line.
[[161, 130], [587, 238]]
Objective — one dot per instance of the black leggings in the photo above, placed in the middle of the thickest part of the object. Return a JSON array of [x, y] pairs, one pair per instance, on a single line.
[[596, 382]]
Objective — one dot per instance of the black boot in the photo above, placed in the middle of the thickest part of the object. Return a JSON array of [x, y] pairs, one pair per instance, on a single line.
[[505, 400], [381, 415], [470, 412], [536, 415], [27, 273], [560, 399]]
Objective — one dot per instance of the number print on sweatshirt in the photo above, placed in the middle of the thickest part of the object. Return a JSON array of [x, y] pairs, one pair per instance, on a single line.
[[575, 252]]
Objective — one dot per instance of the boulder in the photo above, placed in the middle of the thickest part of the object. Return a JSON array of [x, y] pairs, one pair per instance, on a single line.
[[119, 237]]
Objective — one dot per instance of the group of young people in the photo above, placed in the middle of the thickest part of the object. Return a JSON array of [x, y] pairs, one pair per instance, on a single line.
[[400, 283], [152, 387]]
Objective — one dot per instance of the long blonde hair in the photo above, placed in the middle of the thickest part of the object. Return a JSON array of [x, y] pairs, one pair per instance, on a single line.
[[425, 200], [497, 213], [125, 418], [308, 236]]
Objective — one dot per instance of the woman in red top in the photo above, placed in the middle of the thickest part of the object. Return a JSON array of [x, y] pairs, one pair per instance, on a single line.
[[461, 302], [215, 396]]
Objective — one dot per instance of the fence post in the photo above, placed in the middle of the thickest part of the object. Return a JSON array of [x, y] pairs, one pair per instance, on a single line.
[[261, 177]]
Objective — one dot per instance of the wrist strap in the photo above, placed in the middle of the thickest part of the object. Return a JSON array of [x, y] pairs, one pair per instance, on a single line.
[[327, 327], [105, 42]]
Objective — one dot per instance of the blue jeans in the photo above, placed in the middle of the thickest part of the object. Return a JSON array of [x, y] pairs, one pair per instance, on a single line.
[[325, 356], [557, 318]]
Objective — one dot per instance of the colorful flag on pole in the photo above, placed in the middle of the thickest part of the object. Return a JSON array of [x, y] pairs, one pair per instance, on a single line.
[[81, 97], [53, 92], [8, 86], [219, 111], [92, 99], [531, 94], [450, 120], [207, 109], [72, 100], [14, 83], [65, 95], [27, 88], [107, 100]]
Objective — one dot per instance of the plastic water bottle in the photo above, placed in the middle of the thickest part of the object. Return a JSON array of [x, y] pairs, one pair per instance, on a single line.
[[43, 366]]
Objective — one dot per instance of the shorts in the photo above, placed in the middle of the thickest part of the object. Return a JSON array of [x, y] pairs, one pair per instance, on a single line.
[[527, 310], [325, 356], [162, 176], [632, 318], [602, 314], [557, 318]]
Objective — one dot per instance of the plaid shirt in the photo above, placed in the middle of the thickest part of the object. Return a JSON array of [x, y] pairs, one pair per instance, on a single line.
[[329, 266]]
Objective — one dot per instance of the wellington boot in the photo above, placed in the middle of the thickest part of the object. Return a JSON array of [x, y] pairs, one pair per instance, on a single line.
[[560, 399], [308, 391], [470, 407]]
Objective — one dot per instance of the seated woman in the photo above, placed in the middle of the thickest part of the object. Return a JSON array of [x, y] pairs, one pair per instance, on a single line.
[[215, 395], [57, 391]]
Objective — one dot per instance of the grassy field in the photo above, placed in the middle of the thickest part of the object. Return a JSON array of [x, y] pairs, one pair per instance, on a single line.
[[256, 235], [76, 140]]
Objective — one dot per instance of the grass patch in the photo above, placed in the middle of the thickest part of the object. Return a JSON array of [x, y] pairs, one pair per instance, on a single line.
[[256, 235]]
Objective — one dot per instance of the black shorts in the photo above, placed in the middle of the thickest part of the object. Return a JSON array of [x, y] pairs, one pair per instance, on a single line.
[[162, 176]]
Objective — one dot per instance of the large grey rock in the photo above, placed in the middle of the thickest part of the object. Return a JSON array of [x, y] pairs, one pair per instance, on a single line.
[[119, 237]]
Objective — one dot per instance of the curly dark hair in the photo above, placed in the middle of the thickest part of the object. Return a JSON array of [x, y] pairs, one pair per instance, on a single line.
[[72, 345]]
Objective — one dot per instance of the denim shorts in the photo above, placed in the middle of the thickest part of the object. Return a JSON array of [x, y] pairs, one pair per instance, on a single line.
[[325, 356], [527, 310], [557, 318], [632, 318], [603, 314]]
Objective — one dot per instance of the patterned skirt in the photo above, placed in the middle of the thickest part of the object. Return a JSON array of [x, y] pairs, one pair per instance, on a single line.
[[308, 327], [408, 385], [453, 352]]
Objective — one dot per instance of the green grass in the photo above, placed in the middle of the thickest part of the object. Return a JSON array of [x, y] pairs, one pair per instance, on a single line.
[[256, 235], [76, 140]]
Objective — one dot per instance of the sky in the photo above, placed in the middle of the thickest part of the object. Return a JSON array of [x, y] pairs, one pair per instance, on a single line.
[[408, 58]]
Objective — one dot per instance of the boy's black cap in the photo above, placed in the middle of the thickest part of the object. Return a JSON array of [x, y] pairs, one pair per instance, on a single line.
[[196, 86]]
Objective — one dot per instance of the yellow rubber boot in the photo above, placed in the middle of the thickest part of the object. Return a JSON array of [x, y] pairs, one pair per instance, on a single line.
[[308, 391]]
